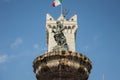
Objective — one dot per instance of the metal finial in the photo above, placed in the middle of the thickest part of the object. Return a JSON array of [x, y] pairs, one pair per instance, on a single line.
[[65, 12]]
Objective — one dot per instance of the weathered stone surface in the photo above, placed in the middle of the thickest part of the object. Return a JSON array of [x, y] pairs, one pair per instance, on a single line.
[[62, 65], [70, 28]]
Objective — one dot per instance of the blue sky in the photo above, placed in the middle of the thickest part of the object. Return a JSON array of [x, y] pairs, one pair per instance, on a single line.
[[23, 36]]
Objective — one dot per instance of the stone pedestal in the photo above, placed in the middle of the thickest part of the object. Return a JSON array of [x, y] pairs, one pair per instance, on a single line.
[[62, 65]]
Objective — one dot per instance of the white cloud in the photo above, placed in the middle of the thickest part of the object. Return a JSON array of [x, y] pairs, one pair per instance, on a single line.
[[17, 42], [42, 49], [3, 58], [86, 48], [36, 46], [39, 48], [95, 38]]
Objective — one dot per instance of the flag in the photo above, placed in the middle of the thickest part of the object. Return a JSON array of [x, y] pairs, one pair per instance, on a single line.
[[57, 3]]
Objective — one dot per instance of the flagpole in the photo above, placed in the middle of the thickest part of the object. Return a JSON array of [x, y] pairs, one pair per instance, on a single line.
[[61, 9], [62, 14]]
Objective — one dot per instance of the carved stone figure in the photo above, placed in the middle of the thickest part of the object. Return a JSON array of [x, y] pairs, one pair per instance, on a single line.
[[59, 36]]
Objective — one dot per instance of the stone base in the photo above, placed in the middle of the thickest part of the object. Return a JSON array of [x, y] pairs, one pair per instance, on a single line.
[[62, 65]]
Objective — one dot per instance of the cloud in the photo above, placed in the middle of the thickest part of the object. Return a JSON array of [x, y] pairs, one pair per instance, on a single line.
[[95, 38], [3, 58], [16, 43], [41, 49], [36, 46], [86, 47]]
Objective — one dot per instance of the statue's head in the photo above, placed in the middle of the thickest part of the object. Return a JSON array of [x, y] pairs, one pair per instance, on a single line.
[[59, 25]]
